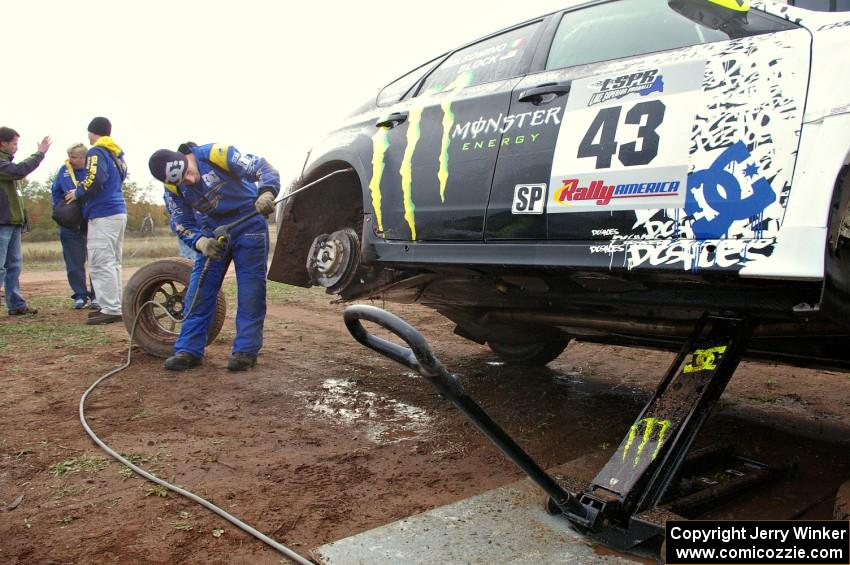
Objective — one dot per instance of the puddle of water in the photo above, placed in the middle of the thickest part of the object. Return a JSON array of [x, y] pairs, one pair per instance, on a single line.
[[578, 383], [386, 420]]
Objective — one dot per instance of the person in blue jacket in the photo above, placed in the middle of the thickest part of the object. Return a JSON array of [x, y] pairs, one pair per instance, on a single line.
[[206, 187], [73, 241], [106, 212]]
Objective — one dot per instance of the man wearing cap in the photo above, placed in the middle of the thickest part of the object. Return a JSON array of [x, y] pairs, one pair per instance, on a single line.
[[206, 187], [12, 216], [106, 212]]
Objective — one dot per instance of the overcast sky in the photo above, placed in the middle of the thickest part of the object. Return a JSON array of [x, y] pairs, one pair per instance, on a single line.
[[265, 76]]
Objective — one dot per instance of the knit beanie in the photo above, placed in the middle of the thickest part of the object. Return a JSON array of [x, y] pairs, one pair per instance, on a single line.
[[100, 126], [168, 166]]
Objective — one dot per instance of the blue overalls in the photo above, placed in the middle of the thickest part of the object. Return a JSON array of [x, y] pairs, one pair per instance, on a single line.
[[226, 192]]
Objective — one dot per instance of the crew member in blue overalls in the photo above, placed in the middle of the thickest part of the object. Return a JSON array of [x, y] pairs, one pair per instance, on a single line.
[[206, 187]]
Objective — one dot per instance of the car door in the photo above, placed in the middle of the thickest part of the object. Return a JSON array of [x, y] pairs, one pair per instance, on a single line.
[[434, 154], [654, 127]]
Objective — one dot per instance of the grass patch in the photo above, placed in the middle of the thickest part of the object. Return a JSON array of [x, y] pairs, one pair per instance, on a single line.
[[157, 490], [136, 459], [84, 463], [51, 302], [278, 293], [183, 524], [50, 252], [137, 250], [32, 333]]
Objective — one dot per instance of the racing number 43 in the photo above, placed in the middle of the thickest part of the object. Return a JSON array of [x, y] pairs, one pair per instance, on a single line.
[[604, 128]]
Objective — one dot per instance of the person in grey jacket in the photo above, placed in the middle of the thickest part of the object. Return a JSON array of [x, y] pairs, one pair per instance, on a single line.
[[12, 216]]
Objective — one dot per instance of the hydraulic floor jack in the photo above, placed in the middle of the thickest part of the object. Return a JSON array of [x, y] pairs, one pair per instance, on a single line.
[[651, 478]]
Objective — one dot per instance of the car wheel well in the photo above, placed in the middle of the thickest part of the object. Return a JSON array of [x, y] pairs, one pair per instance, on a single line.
[[329, 206]]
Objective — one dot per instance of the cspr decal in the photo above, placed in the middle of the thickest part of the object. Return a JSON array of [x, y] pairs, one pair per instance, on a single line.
[[642, 83]]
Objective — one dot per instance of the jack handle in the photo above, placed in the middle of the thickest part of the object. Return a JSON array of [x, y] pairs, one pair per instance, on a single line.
[[418, 357], [421, 359]]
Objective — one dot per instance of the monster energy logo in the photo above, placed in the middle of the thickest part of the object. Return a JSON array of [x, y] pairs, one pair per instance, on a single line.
[[650, 424], [380, 144], [503, 124], [705, 359]]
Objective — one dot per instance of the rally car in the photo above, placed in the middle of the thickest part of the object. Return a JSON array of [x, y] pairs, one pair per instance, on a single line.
[[607, 172]]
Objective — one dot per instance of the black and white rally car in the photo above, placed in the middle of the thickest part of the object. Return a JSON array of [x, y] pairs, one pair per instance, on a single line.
[[607, 172]]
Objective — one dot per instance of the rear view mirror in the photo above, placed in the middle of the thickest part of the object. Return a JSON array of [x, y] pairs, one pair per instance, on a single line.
[[714, 14]]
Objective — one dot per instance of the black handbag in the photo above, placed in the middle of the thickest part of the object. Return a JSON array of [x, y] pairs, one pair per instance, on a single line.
[[69, 215]]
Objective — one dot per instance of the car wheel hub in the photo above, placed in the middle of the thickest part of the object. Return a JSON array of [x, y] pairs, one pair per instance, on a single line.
[[328, 257], [333, 259]]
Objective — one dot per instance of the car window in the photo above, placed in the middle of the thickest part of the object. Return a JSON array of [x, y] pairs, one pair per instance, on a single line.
[[396, 90], [494, 58], [624, 28]]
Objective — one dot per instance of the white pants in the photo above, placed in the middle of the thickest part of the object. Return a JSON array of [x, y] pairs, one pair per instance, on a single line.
[[104, 244]]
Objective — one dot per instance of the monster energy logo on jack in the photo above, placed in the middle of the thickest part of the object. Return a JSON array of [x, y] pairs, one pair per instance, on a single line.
[[650, 425]]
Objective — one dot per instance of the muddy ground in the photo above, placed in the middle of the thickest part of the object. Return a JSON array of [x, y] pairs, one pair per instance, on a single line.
[[325, 439]]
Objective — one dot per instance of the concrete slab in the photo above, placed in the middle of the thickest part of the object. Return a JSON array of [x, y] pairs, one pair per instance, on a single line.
[[506, 525]]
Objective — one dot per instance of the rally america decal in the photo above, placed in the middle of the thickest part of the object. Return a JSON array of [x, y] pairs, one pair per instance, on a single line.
[[626, 146]]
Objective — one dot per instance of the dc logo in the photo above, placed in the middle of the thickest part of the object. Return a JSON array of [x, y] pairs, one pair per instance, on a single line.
[[724, 201], [174, 171]]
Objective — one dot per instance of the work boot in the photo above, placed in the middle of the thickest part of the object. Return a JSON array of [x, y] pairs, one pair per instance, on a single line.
[[102, 318], [182, 361], [241, 361], [23, 310]]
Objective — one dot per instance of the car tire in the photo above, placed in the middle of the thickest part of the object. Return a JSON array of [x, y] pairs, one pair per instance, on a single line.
[[164, 282], [535, 354]]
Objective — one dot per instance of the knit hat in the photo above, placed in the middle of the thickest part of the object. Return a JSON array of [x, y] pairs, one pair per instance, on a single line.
[[168, 166], [186, 148], [100, 126]]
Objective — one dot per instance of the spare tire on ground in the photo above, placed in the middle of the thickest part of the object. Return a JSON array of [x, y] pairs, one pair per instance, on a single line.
[[163, 282]]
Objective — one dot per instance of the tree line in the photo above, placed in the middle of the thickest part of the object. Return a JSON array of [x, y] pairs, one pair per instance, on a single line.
[[39, 206]]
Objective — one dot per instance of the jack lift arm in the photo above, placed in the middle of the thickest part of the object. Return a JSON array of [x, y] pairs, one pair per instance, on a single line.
[[620, 507]]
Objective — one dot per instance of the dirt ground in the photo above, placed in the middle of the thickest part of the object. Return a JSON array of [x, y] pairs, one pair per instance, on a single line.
[[324, 439]]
